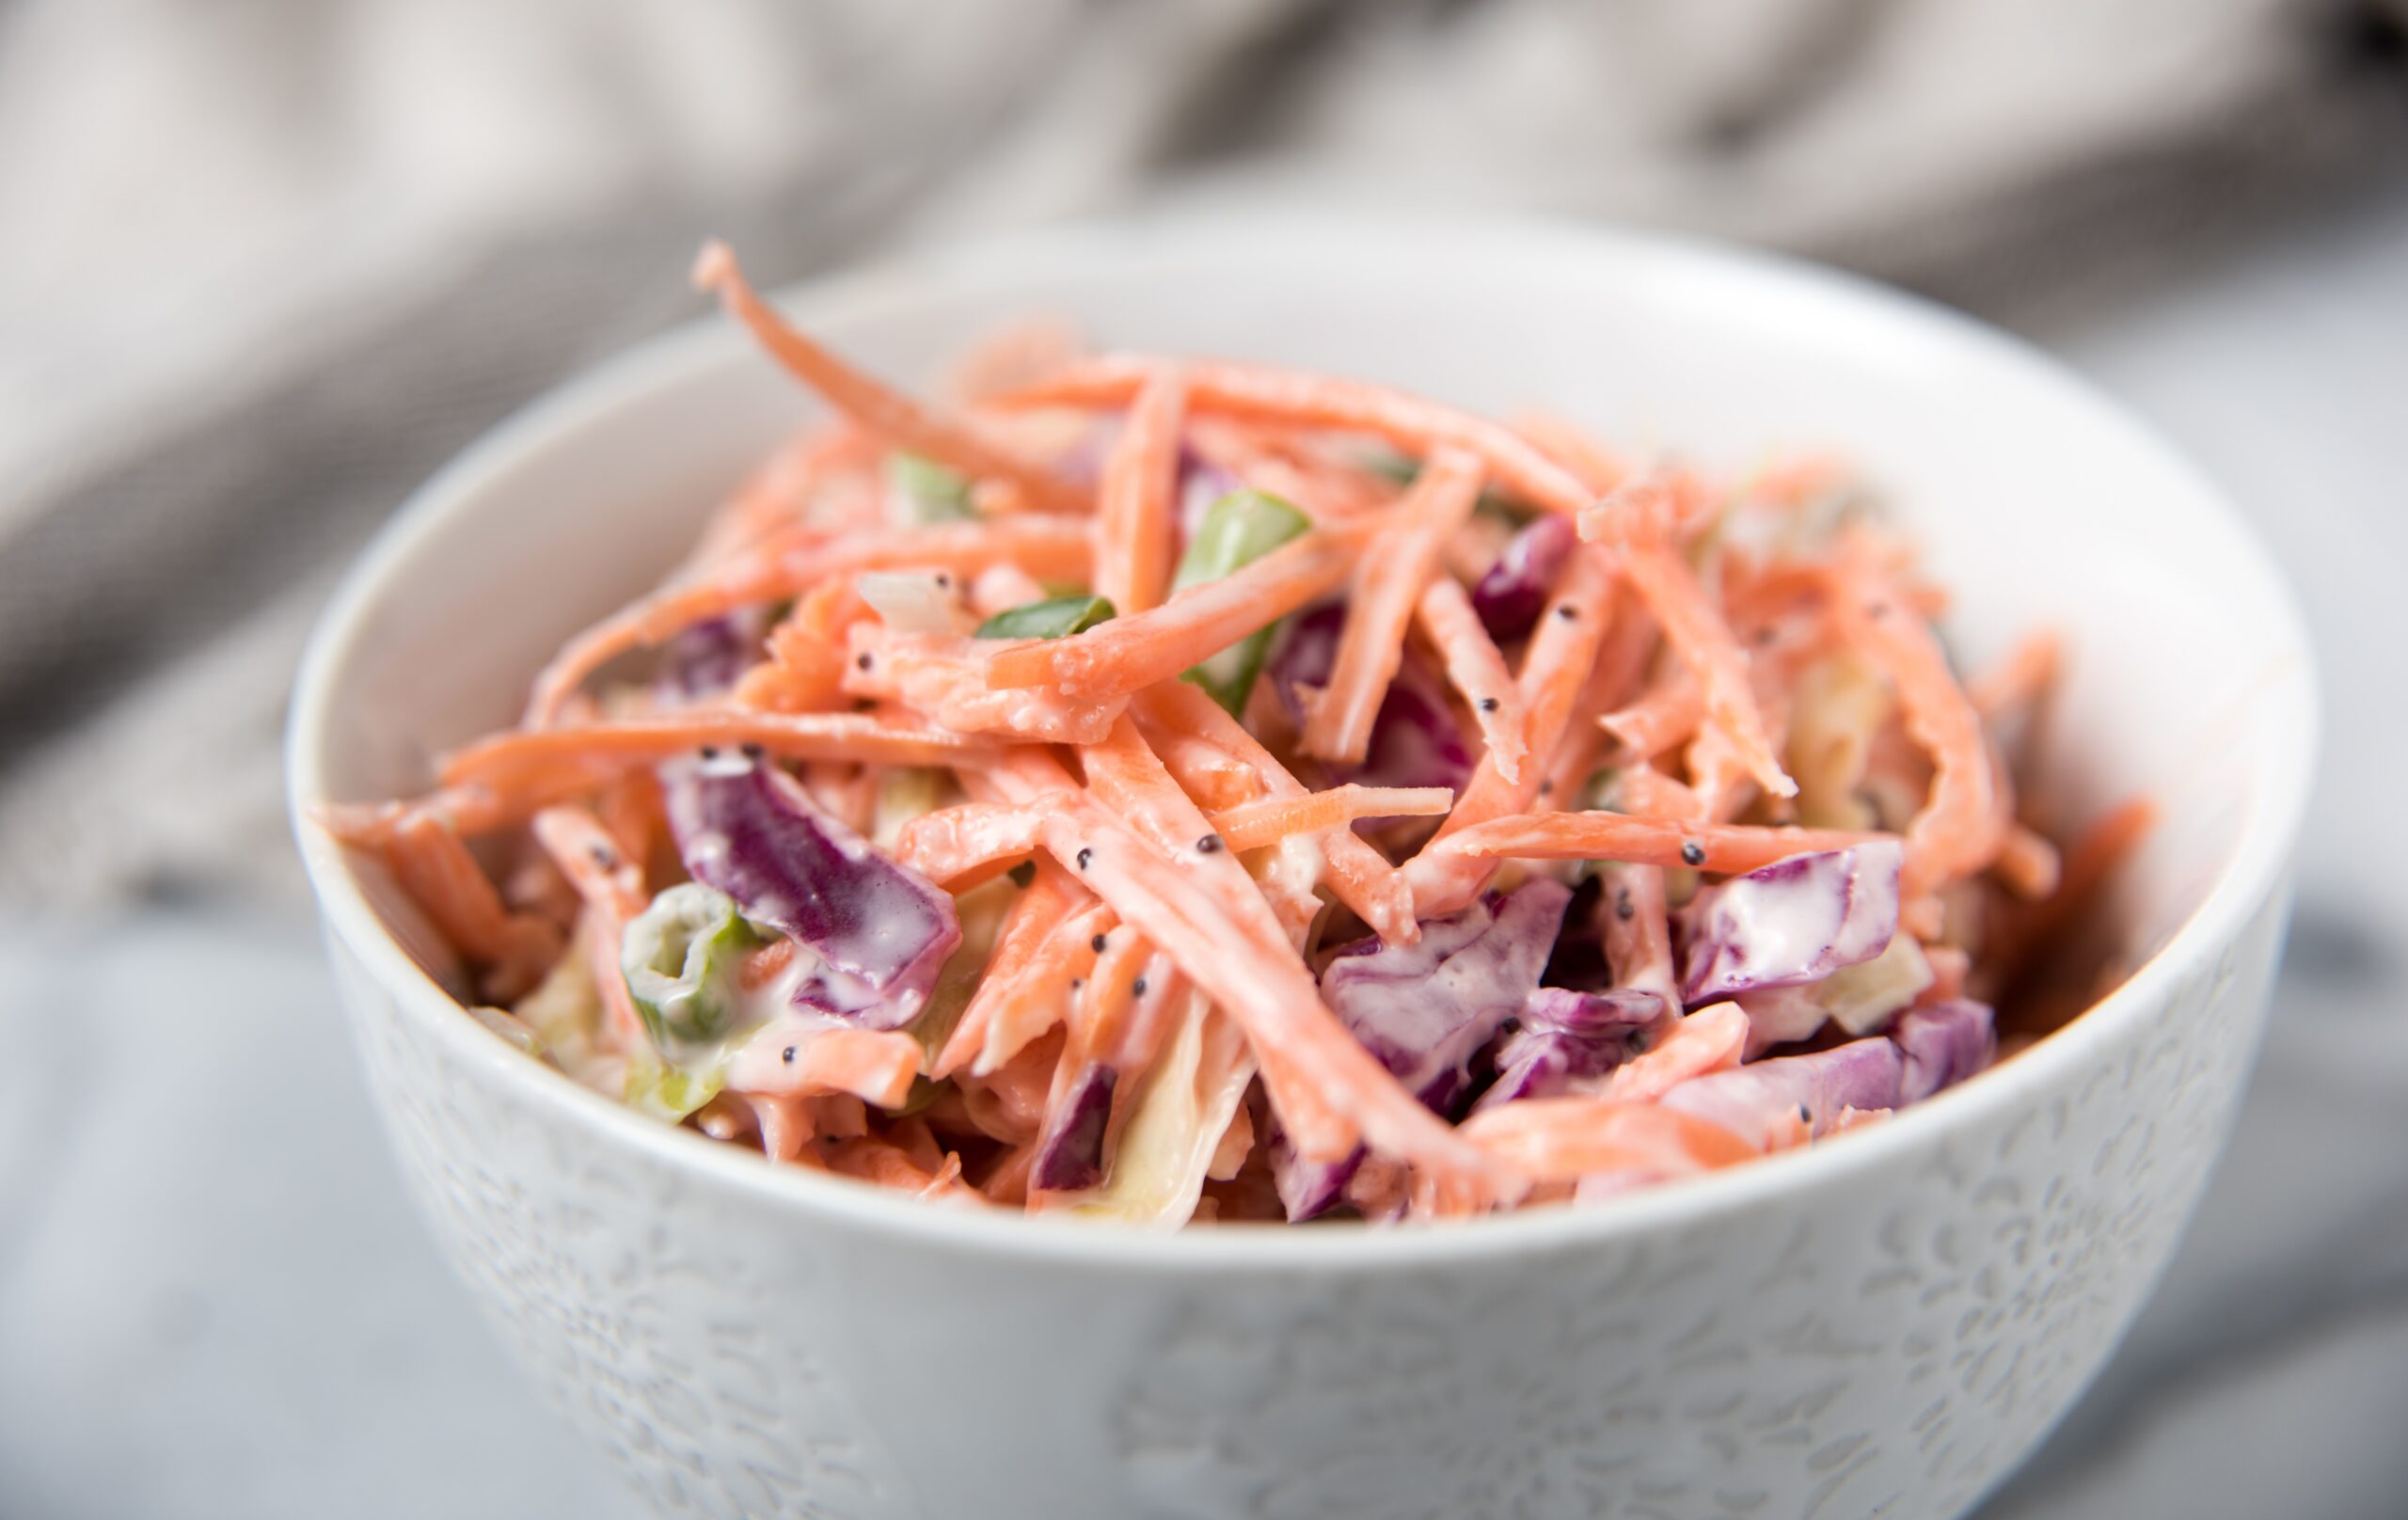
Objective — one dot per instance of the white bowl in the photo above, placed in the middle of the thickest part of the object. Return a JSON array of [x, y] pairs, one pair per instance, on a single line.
[[1883, 1325]]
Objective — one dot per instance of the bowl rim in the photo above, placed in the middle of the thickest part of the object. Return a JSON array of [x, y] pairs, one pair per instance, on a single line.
[[2252, 871]]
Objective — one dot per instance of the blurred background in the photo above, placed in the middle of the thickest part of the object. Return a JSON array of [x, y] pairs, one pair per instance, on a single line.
[[269, 262]]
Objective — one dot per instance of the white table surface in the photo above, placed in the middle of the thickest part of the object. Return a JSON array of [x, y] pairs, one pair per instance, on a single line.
[[214, 1300]]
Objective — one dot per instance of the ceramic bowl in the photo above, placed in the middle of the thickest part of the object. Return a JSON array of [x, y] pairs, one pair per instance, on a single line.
[[1883, 1325]]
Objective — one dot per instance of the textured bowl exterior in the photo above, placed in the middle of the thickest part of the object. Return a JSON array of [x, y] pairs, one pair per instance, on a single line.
[[1882, 1325], [1889, 1343]]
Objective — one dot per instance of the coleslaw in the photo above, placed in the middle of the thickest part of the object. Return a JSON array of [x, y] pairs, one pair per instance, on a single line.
[[1184, 790]]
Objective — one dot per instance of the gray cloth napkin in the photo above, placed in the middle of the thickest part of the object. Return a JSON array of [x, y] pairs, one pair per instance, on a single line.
[[272, 263]]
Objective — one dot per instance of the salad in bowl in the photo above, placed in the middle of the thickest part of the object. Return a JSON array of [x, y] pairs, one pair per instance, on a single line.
[[1188, 790]]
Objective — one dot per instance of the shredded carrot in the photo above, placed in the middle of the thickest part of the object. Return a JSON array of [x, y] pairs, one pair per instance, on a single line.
[[1362, 880], [1665, 716], [1564, 1139], [796, 1059], [1555, 672], [1262, 392], [1637, 929], [805, 670], [1959, 829], [959, 846], [593, 860], [524, 759], [1116, 657], [1636, 519], [1478, 672], [1379, 607], [1034, 914], [1253, 825], [1711, 1039], [1645, 792], [433, 866], [1614, 836], [1137, 519], [1216, 779], [790, 561], [872, 403], [945, 677], [1023, 1008]]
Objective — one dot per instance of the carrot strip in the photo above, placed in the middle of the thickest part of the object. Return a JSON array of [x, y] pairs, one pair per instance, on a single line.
[[1050, 897], [1253, 825], [945, 677], [1263, 392], [792, 1058], [1564, 1139], [1477, 671], [805, 668], [434, 867], [1636, 519], [612, 889], [1555, 672], [1137, 517], [1638, 925], [1116, 657], [1711, 1039], [1025, 1006], [1050, 548], [1362, 880], [1645, 792], [594, 752], [593, 860], [881, 408], [871, 1159], [1218, 780], [1720, 848], [959, 846], [1620, 662], [1664, 717], [1379, 610], [1959, 828]]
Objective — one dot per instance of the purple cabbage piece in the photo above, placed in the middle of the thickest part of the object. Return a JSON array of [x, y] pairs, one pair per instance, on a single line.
[[1307, 1189], [1070, 1155], [1756, 1100], [708, 656], [1795, 921], [1941, 1045], [880, 933], [1416, 740], [1424, 1010], [1565, 1034], [1514, 593]]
